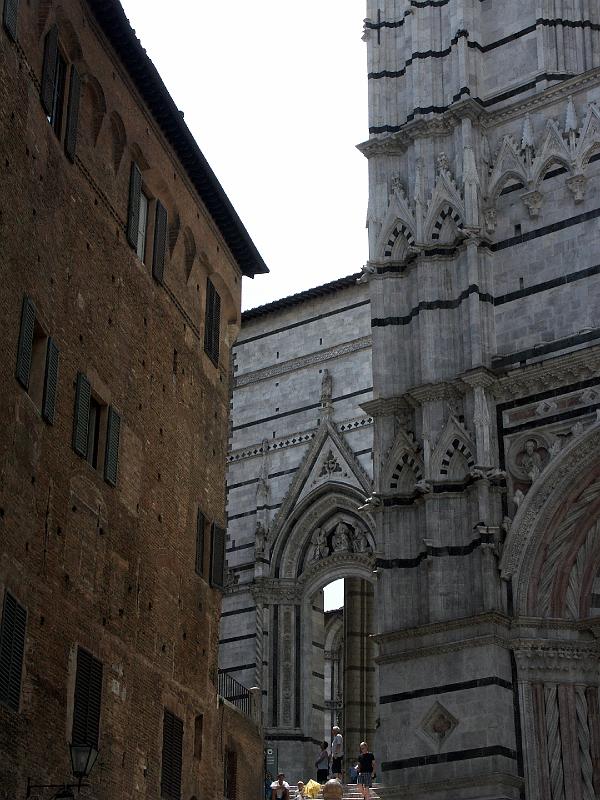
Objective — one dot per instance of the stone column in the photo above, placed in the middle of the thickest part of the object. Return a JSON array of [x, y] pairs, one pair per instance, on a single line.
[[359, 667]]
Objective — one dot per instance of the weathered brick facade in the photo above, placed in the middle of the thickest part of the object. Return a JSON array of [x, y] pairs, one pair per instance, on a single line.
[[109, 569]]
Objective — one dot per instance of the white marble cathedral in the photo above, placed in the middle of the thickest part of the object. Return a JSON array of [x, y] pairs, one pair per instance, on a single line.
[[457, 389]]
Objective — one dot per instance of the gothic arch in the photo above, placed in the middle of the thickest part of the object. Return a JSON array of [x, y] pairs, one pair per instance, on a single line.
[[403, 467], [447, 212], [453, 456], [399, 240], [324, 508], [552, 552]]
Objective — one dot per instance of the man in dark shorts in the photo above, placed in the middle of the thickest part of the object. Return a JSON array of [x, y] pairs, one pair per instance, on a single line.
[[366, 769], [337, 753]]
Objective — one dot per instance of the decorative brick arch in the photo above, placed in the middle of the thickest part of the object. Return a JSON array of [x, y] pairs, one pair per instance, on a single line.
[[446, 212], [457, 446], [400, 230]]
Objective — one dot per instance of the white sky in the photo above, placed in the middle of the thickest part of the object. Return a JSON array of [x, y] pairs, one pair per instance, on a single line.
[[275, 94], [334, 595]]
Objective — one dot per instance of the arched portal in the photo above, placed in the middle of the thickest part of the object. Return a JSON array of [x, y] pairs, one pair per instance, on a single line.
[[552, 560], [322, 540]]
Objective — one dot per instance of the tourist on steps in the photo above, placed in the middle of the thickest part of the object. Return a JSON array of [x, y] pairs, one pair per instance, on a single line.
[[366, 769], [280, 789], [337, 753], [322, 764]]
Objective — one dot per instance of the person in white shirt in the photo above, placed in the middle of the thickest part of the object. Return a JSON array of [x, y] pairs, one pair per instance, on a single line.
[[280, 789], [337, 753]]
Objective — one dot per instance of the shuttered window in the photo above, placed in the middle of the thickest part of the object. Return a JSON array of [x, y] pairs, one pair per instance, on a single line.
[[200, 529], [37, 362], [72, 114], [25, 346], [217, 567], [87, 700], [81, 420], [50, 382], [49, 70], [160, 242], [212, 322], [133, 213], [113, 435], [170, 779], [9, 17], [12, 648], [230, 775]]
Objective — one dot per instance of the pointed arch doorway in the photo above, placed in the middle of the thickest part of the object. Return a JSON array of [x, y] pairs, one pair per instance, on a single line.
[[323, 540]]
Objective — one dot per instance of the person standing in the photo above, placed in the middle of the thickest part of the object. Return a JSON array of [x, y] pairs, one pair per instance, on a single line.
[[337, 753], [366, 770], [322, 763]]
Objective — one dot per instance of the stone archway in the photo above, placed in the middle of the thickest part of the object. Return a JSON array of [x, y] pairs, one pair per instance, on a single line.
[[322, 540], [552, 560]]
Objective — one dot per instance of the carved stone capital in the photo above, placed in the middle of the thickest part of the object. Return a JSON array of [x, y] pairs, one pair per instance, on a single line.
[[533, 202], [577, 185]]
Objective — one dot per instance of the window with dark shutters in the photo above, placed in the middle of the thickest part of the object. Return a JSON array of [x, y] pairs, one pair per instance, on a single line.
[[230, 775], [170, 779], [49, 70], [37, 362], [25, 347], [87, 700], [200, 528], [12, 648], [72, 114], [160, 242], [212, 322], [217, 571], [9, 17], [111, 459], [81, 420], [133, 213]]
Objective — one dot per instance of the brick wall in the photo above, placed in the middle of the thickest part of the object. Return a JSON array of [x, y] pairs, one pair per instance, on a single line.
[[107, 569]]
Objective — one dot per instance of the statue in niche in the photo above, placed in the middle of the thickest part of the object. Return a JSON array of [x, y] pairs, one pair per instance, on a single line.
[[360, 543], [260, 538], [326, 388], [531, 460], [319, 544], [340, 541]]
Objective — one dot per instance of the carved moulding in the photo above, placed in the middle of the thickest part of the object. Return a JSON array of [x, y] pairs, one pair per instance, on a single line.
[[536, 513]]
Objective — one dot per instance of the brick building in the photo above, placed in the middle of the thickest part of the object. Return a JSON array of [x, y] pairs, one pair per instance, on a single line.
[[122, 262]]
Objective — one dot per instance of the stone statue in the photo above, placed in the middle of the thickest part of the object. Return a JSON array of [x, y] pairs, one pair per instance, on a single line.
[[531, 460], [260, 538], [319, 543], [340, 542], [360, 543], [326, 388]]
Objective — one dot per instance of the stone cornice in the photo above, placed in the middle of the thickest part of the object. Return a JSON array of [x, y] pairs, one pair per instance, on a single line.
[[479, 376], [431, 629], [443, 124], [560, 91], [310, 359], [552, 373], [430, 392], [385, 406]]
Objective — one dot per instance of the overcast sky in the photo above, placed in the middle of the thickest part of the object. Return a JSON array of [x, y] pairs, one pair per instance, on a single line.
[[276, 95]]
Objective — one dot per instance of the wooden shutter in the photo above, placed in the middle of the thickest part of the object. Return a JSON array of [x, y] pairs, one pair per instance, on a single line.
[[133, 214], [87, 700], [217, 567], [212, 322], [111, 459], [50, 382], [160, 242], [81, 421], [170, 781], [25, 346], [200, 528], [12, 648], [230, 776], [72, 114], [49, 69], [9, 17]]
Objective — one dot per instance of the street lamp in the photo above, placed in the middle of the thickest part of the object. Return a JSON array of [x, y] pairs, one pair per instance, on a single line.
[[83, 758]]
